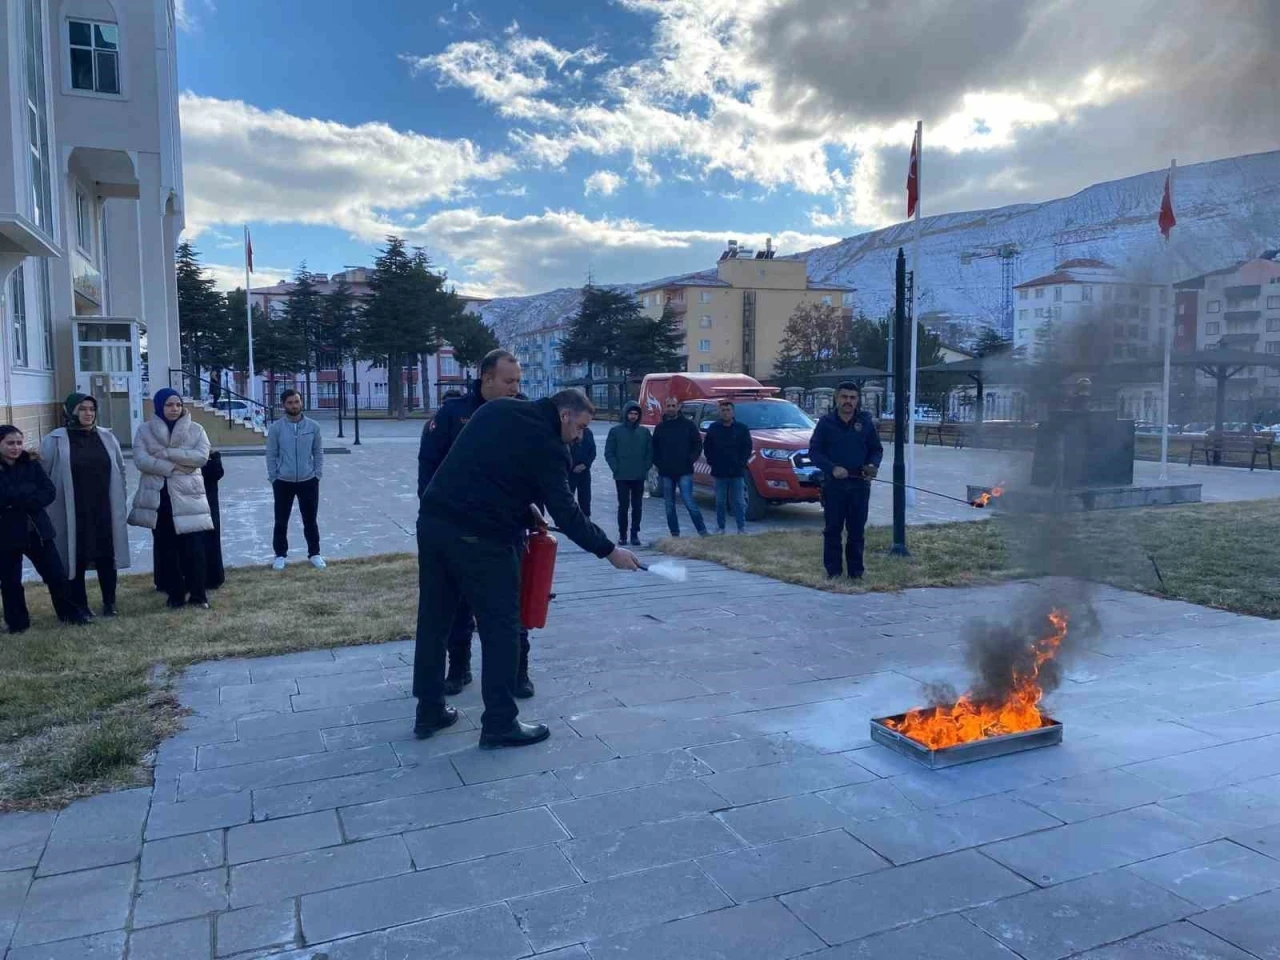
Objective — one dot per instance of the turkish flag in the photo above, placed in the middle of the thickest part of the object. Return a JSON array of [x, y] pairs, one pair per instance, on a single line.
[[913, 180], [248, 250], [1167, 220]]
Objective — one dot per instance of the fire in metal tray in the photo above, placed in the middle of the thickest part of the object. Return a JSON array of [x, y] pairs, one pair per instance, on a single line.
[[968, 719]]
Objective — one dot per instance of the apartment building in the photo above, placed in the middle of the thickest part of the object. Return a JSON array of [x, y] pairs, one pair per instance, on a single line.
[[1236, 307], [91, 206], [734, 314], [439, 372]]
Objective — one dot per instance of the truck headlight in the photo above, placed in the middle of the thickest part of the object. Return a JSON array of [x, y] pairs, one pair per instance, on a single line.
[[773, 453]]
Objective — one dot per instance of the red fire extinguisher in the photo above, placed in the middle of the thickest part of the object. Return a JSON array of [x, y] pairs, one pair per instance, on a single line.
[[537, 570]]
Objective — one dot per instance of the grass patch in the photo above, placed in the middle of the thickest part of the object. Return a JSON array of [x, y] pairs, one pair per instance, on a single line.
[[1224, 555], [78, 711]]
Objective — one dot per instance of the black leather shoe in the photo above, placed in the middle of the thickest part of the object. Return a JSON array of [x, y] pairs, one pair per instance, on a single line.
[[428, 722], [517, 735], [453, 684], [109, 610], [524, 688]]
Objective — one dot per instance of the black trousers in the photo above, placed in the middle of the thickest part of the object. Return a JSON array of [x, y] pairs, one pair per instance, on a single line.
[[580, 485], [308, 495], [453, 567], [187, 581], [459, 642], [106, 567], [844, 509], [44, 557], [630, 493]]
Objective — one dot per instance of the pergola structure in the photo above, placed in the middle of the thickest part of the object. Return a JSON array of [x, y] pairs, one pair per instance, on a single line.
[[984, 370]]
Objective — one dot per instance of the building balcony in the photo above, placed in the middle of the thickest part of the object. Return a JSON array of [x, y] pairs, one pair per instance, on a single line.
[[1237, 318], [1249, 291], [22, 238], [678, 307]]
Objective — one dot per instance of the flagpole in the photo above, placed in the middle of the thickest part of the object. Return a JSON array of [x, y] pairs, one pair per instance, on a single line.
[[1168, 337], [248, 316], [915, 315]]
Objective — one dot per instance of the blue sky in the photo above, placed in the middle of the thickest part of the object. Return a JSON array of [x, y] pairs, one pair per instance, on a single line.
[[525, 143]]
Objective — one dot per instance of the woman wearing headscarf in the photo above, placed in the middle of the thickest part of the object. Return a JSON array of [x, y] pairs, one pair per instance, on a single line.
[[169, 451], [25, 530], [89, 513]]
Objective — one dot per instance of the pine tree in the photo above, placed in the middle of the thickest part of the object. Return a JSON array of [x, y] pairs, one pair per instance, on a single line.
[[595, 335], [302, 312], [470, 339], [202, 315], [651, 346], [991, 343]]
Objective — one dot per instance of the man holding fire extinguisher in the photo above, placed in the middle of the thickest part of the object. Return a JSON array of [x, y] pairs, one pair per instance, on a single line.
[[471, 524]]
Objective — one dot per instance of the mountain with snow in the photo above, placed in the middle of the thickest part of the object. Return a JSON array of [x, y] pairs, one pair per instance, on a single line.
[[1227, 210]]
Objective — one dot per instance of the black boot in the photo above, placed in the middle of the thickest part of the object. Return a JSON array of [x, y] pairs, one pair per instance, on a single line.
[[109, 609], [524, 686], [428, 720], [458, 677], [517, 735]]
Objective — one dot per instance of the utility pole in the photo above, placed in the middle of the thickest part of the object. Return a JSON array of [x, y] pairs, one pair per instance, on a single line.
[[900, 413]]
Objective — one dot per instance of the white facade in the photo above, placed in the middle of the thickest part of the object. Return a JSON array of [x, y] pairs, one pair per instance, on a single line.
[[91, 203]]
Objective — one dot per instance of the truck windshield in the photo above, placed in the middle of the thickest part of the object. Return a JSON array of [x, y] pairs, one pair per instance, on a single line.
[[772, 415]]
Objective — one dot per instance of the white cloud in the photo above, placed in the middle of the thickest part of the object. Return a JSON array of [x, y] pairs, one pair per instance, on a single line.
[[604, 182], [242, 164]]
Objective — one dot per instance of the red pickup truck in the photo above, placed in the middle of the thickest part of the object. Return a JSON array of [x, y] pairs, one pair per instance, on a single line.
[[780, 470]]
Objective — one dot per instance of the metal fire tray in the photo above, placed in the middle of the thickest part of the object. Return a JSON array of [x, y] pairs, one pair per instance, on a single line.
[[1048, 735]]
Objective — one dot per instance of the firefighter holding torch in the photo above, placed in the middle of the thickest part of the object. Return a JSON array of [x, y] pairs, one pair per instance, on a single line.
[[471, 524]]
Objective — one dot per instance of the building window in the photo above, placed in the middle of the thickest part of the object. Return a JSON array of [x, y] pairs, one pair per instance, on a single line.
[[826, 301], [18, 308], [846, 299], [449, 367], [1164, 294], [46, 312], [1212, 329], [704, 322], [1039, 293], [1086, 294], [38, 119], [704, 368], [1273, 303], [1023, 332], [1273, 346], [704, 346], [84, 222], [95, 56], [1214, 306], [1106, 294], [1022, 294], [1057, 293], [1273, 324], [1022, 314], [704, 296]]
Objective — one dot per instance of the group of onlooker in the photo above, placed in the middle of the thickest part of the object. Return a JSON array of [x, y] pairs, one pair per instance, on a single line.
[[66, 507]]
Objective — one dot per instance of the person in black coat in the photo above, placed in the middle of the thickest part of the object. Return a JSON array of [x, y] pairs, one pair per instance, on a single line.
[[25, 530], [471, 523], [727, 447], [846, 448], [677, 444], [582, 456]]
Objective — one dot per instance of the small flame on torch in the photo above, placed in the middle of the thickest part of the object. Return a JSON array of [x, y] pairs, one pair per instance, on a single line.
[[984, 498]]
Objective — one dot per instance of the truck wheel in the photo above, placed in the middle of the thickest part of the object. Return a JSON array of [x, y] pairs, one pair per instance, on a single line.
[[653, 483], [757, 506]]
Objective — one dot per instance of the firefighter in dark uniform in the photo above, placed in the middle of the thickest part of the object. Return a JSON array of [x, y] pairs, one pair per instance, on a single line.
[[499, 377], [846, 448], [471, 522]]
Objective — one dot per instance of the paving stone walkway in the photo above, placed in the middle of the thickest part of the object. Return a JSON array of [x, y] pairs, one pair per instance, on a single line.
[[709, 791]]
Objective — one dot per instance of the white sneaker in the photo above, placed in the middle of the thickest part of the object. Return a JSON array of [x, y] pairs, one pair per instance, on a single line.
[[278, 563], [318, 563]]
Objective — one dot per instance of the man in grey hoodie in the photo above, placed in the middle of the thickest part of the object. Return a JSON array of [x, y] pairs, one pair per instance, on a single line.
[[295, 463]]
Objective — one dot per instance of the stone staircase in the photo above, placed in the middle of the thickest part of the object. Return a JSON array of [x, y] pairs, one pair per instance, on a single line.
[[223, 428]]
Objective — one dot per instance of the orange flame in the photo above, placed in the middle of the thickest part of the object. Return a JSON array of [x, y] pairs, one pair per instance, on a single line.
[[985, 498], [965, 720]]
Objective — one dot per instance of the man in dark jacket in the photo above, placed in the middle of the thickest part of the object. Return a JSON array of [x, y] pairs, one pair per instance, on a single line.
[[629, 452], [583, 455], [727, 447], [499, 377], [472, 519], [677, 444], [846, 448]]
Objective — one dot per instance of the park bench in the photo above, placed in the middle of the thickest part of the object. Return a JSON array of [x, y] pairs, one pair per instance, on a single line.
[[1222, 447], [945, 433]]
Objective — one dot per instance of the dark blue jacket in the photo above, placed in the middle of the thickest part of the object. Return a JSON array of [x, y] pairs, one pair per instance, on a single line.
[[584, 451], [727, 449], [438, 435], [511, 455], [25, 492], [850, 445]]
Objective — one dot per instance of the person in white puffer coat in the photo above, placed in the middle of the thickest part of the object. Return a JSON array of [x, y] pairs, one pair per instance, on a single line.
[[169, 450]]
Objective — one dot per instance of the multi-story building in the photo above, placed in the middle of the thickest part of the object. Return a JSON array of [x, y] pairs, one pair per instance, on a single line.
[[1236, 307], [91, 205], [734, 315], [440, 372]]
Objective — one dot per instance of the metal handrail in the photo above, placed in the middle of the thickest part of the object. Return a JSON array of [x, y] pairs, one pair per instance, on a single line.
[[263, 414]]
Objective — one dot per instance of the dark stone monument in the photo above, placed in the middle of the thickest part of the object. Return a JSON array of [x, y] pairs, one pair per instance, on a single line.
[[1083, 448]]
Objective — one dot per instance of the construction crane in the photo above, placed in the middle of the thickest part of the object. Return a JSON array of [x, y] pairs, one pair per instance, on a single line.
[[1007, 254]]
